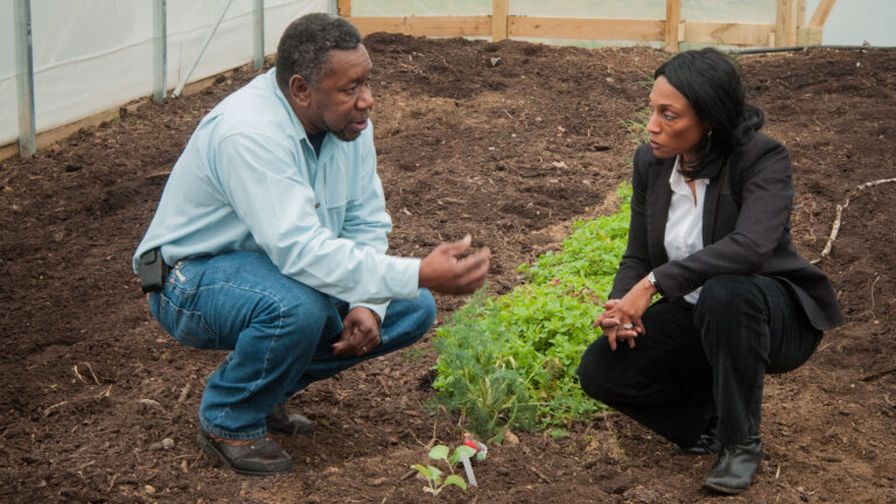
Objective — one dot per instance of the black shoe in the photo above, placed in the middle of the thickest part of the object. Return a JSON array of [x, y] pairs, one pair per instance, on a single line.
[[288, 423], [262, 457], [707, 443], [733, 472]]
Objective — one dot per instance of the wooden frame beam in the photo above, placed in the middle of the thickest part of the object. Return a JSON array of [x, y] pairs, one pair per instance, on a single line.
[[737, 34], [500, 15], [673, 20], [789, 28], [582, 28], [785, 23], [344, 7], [820, 17], [431, 26], [800, 14]]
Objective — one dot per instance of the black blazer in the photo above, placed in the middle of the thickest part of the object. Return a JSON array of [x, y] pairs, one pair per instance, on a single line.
[[746, 230]]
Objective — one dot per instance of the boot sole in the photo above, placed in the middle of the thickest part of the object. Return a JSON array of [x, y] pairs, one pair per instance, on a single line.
[[724, 489]]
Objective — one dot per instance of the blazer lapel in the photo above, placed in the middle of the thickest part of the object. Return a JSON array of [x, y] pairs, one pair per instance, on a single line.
[[659, 197], [711, 203]]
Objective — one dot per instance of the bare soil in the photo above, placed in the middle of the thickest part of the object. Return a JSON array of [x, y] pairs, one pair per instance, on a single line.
[[509, 142]]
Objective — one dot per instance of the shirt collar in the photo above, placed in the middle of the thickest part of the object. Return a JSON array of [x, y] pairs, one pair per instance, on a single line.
[[296, 123], [300, 130], [677, 181]]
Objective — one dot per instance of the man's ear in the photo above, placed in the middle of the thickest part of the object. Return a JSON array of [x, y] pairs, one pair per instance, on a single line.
[[300, 90]]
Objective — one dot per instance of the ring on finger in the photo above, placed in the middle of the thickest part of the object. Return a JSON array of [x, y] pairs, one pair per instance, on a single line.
[[627, 326]]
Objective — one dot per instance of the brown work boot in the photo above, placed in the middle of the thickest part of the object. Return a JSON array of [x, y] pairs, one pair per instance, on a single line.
[[257, 457]]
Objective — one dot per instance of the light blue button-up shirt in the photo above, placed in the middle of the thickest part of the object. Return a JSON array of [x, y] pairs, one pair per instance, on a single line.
[[249, 180]]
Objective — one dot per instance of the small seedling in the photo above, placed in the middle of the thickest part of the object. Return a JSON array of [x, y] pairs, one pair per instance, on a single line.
[[557, 433], [433, 474]]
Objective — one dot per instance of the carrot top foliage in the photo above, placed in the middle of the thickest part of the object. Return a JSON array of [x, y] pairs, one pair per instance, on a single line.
[[509, 361]]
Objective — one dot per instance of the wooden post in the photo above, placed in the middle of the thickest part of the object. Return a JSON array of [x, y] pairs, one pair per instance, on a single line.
[[820, 17], [344, 7], [673, 19], [791, 20], [785, 23], [500, 13]]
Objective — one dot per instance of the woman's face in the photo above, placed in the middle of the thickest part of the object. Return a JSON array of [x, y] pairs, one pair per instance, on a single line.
[[674, 127]]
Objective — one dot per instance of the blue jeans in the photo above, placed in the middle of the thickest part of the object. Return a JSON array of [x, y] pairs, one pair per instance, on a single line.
[[279, 332]]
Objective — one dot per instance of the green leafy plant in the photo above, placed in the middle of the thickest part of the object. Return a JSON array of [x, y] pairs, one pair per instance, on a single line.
[[510, 361], [433, 474]]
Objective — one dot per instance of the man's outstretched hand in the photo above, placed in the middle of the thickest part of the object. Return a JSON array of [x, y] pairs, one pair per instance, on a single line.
[[442, 271]]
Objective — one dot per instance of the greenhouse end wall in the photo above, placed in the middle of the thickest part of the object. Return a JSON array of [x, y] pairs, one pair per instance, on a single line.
[[95, 55]]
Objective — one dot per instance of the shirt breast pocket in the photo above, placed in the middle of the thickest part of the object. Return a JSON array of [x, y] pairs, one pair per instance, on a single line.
[[332, 210]]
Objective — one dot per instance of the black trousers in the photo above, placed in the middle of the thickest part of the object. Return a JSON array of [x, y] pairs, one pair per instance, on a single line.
[[706, 362]]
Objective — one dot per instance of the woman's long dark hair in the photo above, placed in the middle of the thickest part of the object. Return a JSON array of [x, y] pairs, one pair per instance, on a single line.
[[712, 84]]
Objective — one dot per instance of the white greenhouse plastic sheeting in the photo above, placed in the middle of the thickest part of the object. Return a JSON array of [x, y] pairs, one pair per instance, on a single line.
[[94, 55]]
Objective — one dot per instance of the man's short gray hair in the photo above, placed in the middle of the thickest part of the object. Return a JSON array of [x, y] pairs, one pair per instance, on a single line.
[[306, 43]]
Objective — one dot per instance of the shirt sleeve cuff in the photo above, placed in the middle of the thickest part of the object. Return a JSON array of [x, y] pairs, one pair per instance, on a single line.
[[405, 277], [379, 309]]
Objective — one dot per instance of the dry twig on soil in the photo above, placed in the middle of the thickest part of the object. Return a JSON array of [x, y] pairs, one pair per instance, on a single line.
[[878, 374], [835, 229], [184, 392]]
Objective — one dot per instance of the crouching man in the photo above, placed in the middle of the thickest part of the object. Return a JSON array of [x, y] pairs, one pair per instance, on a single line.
[[270, 241]]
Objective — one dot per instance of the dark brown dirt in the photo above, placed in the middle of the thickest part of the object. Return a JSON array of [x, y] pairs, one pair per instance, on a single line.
[[511, 153]]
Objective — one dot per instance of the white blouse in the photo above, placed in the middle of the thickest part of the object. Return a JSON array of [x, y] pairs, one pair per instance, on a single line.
[[684, 226]]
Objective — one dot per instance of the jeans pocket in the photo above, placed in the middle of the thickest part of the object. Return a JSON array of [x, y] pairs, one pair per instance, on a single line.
[[188, 327]]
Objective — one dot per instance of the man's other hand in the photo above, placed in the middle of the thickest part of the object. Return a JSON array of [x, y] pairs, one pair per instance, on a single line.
[[442, 271], [360, 333]]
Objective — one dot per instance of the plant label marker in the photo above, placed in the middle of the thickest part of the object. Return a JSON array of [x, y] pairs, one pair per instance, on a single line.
[[468, 469], [481, 449]]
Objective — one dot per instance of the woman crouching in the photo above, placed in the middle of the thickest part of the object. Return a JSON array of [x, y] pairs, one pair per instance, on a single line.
[[709, 232]]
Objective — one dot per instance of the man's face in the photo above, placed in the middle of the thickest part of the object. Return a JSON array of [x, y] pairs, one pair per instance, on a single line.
[[340, 101]]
